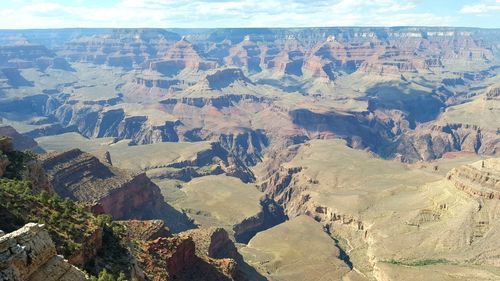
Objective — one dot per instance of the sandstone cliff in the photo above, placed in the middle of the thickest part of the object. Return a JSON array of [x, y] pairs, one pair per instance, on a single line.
[[212, 242], [271, 214], [166, 258], [429, 141], [199, 254], [123, 194], [479, 179], [28, 254]]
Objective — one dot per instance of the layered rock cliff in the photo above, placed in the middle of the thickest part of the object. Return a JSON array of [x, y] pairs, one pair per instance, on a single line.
[[201, 254], [145, 230], [271, 214], [28, 254], [479, 179], [429, 141], [81, 176]]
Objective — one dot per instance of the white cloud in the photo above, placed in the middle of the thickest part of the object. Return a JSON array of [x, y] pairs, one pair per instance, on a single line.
[[218, 13], [481, 8]]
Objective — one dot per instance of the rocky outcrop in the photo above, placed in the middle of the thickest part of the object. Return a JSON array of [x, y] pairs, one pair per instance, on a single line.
[[218, 257], [212, 242], [389, 133], [479, 179], [145, 230], [32, 170], [213, 161], [428, 142], [181, 55], [54, 63], [106, 189], [271, 214], [247, 146], [24, 52], [166, 258], [91, 246], [218, 102], [493, 93], [20, 141], [23, 56], [35, 173], [223, 78], [38, 105], [91, 121], [150, 82], [286, 61], [198, 254], [246, 54], [28, 254], [359, 130], [289, 188], [81, 176]]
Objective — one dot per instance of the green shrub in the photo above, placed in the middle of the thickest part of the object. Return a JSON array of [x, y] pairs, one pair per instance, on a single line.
[[423, 262], [104, 275], [67, 222], [64, 219], [18, 161]]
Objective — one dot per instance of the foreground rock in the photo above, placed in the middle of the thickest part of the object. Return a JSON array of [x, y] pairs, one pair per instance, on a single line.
[[28, 254]]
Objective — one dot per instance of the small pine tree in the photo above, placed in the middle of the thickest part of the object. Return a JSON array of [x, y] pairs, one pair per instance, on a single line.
[[121, 277], [104, 275], [44, 197]]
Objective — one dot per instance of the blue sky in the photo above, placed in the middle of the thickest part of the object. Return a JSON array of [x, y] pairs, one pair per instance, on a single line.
[[247, 13]]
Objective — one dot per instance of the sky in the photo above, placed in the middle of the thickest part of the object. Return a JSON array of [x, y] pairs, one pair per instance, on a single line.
[[20, 14]]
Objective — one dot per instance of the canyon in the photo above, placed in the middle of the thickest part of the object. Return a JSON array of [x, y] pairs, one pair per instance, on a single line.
[[342, 153]]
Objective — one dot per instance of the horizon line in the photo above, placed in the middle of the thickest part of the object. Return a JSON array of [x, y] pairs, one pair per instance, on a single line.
[[261, 27]]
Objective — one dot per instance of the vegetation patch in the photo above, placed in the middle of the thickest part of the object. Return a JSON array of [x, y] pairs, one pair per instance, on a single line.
[[67, 222], [423, 262]]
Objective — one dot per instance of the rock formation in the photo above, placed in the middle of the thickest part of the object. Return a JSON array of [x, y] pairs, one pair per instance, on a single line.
[[480, 179], [212, 242], [145, 230], [20, 141], [81, 176], [28, 254], [199, 254], [202, 254], [430, 142], [167, 258], [493, 93]]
